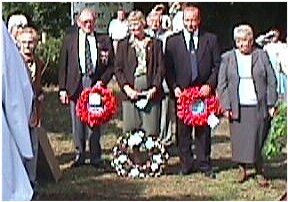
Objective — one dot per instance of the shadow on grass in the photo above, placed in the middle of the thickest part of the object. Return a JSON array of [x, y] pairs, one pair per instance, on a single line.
[[110, 189]]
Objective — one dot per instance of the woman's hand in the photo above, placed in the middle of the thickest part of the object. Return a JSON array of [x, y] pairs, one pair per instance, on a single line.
[[227, 114], [151, 93], [271, 111], [130, 92]]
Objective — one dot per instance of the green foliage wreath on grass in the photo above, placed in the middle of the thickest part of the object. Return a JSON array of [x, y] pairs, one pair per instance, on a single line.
[[276, 139]]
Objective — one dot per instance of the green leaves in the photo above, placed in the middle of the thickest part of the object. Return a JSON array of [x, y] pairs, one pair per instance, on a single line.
[[276, 139]]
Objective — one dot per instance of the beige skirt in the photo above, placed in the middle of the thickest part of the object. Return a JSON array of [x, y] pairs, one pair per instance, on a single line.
[[147, 119]]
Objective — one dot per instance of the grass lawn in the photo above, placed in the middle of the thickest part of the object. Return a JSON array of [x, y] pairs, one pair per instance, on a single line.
[[88, 183]]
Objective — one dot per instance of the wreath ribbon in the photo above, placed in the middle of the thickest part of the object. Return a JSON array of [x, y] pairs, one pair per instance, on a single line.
[[92, 117], [189, 99]]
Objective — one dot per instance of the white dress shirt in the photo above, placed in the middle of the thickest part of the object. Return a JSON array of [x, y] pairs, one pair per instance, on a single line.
[[195, 38], [93, 50]]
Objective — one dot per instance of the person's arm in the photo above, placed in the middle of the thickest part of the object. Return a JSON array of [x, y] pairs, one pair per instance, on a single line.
[[222, 87], [216, 57], [271, 82], [62, 76]]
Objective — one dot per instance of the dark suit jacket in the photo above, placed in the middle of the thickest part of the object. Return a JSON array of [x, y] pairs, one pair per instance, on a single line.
[[126, 63], [263, 76], [178, 66], [70, 78]]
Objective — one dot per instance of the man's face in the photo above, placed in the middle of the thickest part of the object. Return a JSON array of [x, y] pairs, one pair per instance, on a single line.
[[87, 22], [121, 14], [191, 19], [27, 44], [155, 22]]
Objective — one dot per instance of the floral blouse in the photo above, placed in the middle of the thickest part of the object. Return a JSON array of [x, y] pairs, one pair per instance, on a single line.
[[140, 48]]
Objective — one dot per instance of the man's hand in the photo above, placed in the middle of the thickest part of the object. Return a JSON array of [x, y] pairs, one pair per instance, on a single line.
[[130, 92], [177, 92], [64, 97], [151, 93], [205, 90], [99, 83]]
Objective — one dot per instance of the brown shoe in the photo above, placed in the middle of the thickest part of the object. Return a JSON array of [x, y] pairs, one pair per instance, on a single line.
[[242, 175], [262, 181]]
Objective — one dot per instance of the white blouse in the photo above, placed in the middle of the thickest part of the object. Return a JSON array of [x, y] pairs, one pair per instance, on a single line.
[[246, 90]]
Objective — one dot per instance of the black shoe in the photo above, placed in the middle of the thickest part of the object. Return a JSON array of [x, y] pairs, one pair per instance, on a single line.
[[99, 165], [186, 171], [76, 164], [210, 173]]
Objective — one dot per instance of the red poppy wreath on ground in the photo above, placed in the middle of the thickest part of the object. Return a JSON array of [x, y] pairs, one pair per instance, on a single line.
[[96, 105], [194, 109]]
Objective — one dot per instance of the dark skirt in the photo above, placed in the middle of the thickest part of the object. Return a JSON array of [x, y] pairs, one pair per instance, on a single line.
[[248, 135]]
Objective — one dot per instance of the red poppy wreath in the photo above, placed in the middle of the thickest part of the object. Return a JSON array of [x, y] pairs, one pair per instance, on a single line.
[[96, 105], [194, 109]]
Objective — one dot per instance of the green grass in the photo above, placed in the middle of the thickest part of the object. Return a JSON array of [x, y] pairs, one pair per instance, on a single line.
[[88, 183]]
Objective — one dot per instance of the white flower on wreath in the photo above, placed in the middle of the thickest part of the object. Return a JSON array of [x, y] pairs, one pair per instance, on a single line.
[[122, 158], [149, 144], [154, 167], [134, 140], [134, 172], [157, 158]]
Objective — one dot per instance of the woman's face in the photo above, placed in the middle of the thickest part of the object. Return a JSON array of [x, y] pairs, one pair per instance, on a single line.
[[136, 28], [244, 44]]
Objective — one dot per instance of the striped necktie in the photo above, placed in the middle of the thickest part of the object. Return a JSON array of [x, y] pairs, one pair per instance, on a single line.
[[88, 60]]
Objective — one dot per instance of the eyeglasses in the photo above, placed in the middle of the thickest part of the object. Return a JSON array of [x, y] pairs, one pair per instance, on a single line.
[[88, 21]]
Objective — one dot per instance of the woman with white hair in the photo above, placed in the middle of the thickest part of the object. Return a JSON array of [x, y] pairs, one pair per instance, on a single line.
[[139, 70], [15, 25], [247, 91]]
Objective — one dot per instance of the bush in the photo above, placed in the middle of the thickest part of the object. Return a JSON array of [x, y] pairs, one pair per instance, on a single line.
[[50, 52], [276, 140]]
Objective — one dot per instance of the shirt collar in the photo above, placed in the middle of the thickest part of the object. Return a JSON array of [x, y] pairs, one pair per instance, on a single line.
[[187, 34]]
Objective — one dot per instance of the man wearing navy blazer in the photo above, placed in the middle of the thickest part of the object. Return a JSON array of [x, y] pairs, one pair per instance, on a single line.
[[85, 59], [192, 58]]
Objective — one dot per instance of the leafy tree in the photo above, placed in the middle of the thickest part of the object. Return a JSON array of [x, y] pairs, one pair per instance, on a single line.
[[50, 17]]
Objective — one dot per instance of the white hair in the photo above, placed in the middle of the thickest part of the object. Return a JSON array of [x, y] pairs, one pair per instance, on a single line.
[[16, 20], [243, 31]]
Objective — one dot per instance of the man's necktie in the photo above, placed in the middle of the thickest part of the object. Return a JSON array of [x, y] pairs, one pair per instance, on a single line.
[[193, 58], [88, 61]]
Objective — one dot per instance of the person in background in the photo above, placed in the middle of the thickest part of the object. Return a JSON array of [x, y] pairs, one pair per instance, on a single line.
[[15, 24], [28, 41], [249, 111], [176, 13], [192, 58], [85, 59], [17, 98], [274, 49], [166, 23], [118, 28], [139, 71], [167, 104]]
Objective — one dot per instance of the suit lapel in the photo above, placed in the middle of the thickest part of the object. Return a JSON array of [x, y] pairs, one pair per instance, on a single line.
[[75, 47], [254, 59], [132, 59], [202, 40]]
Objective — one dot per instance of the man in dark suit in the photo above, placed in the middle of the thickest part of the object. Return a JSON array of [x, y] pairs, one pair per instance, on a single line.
[[192, 58], [85, 60]]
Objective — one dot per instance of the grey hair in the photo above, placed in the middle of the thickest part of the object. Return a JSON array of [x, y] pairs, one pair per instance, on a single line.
[[243, 31]]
